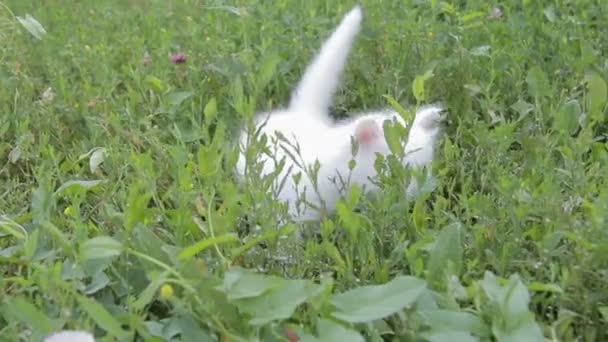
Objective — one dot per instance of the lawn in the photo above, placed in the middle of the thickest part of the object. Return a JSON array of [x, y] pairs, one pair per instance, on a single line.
[[120, 212]]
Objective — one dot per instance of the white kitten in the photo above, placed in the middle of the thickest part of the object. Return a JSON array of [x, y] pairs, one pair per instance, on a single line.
[[70, 336], [303, 133]]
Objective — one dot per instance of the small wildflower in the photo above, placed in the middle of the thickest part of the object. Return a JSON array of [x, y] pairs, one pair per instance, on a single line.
[[48, 96], [291, 336], [92, 103], [496, 13], [166, 291], [431, 34], [69, 211], [146, 60], [179, 58]]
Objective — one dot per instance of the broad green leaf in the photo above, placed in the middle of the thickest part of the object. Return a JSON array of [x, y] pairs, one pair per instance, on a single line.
[[101, 317], [512, 321], [368, 303], [354, 195], [190, 251], [426, 302], [190, 329], [522, 107], [242, 283], [538, 82], [455, 321], [304, 336], [21, 310], [78, 185], [278, 303], [452, 336], [446, 252], [165, 328], [471, 16], [405, 114], [209, 160], [176, 98], [393, 138], [155, 83], [137, 204], [429, 183], [32, 25], [347, 216], [588, 54], [418, 85], [147, 295], [31, 245], [145, 241], [418, 213], [43, 201], [210, 110], [267, 70], [100, 247], [238, 97], [517, 297], [99, 281], [448, 8], [11, 227], [492, 287], [541, 287], [526, 331], [332, 331], [550, 14], [597, 94], [567, 118], [157, 329]]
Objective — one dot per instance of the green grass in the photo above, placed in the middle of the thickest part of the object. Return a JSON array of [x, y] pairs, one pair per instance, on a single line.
[[510, 239]]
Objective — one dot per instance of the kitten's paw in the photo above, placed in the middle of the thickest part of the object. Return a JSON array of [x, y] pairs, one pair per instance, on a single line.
[[429, 117]]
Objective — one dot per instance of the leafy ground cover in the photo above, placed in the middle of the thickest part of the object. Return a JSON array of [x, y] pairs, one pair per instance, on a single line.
[[120, 215]]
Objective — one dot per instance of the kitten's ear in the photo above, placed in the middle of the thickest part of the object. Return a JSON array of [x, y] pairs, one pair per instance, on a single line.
[[367, 132]]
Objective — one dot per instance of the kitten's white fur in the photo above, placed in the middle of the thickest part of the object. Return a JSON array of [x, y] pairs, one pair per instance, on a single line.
[[70, 336], [306, 123]]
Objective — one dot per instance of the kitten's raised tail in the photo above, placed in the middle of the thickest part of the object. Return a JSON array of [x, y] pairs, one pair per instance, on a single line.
[[315, 91]]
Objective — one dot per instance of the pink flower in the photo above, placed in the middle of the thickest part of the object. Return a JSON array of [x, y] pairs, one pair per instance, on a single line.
[[179, 58], [496, 13]]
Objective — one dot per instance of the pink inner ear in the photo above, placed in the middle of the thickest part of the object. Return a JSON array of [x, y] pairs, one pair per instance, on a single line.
[[366, 135]]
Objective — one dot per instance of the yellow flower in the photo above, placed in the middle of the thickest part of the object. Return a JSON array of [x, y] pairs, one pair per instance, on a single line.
[[166, 291]]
